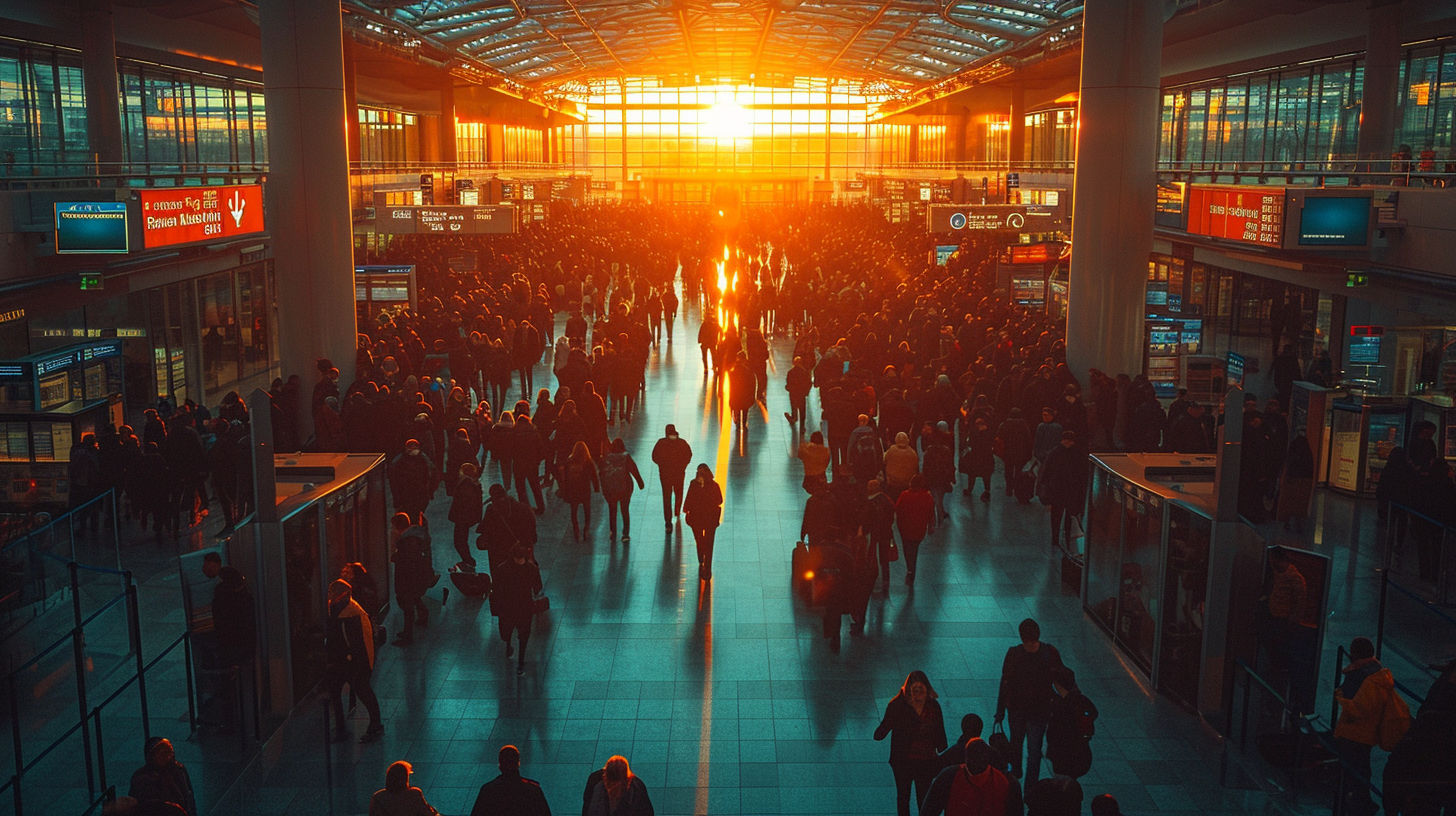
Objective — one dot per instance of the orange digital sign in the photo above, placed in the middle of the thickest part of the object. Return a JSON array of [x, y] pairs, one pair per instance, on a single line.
[[1254, 215], [189, 215]]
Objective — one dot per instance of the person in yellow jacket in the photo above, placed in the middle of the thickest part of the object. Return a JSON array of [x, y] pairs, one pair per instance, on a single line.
[[1368, 702]]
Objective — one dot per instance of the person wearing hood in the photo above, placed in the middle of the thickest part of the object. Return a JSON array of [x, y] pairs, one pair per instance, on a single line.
[[349, 658], [413, 574], [703, 509], [163, 780], [1365, 696]]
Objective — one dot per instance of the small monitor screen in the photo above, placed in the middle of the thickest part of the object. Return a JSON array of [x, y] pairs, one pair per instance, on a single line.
[[943, 253], [1335, 221], [1364, 350]]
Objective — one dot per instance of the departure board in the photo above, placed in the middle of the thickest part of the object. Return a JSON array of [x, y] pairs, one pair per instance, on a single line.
[[1253, 215]]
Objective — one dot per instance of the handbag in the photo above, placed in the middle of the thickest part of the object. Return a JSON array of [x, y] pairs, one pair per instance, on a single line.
[[540, 603]]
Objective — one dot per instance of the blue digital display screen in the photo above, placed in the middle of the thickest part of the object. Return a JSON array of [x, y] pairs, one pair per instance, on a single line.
[[943, 253], [86, 227], [1335, 221]]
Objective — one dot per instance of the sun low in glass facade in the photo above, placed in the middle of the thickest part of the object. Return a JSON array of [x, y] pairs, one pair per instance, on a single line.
[[816, 128]]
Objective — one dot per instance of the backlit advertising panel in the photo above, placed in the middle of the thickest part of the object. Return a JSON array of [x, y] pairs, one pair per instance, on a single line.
[[190, 215], [91, 227], [457, 220], [976, 217], [1171, 195], [1252, 215], [1334, 220]]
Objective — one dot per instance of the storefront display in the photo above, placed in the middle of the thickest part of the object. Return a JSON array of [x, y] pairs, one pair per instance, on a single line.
[[1362, 436]]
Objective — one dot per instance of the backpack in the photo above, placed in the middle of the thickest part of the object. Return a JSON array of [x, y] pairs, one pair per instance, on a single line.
[[864, 454], [615, 478], [1395, 720]]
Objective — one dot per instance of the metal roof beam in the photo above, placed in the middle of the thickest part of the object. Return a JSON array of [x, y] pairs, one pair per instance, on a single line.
[[768, 22], [571, 4], [870, 23], [682, 21]]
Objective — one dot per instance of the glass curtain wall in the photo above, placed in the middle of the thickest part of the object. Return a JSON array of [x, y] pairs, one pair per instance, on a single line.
[[816, 128], [42, 109], [1051, 135], [1306, 113], [172, 117], [388, 136], [1428, 98]]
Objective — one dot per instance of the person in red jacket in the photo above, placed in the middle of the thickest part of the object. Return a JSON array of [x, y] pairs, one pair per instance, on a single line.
[[913, 514], [975, 788]]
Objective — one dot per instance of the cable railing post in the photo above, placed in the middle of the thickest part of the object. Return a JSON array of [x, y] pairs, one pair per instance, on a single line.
[[1380, 613], [191, 691], [15, 736], [1334, 702], [116, 526], [134, 623], [75, 591], [101, 750], [78, 640]]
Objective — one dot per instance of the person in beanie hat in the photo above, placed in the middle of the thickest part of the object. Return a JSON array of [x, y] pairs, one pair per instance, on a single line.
[[163, 779]]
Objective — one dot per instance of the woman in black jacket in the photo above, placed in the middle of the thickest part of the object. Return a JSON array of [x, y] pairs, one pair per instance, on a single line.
[[703, 509], [517, 581], [916, 728]]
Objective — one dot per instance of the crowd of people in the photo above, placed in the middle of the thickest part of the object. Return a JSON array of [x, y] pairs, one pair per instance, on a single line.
[[920, 376]]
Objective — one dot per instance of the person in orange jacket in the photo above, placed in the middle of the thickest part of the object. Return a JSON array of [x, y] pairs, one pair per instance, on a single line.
[[1365, 701]]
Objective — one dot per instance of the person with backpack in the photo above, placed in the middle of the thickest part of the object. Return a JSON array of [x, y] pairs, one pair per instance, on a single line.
[[465, 504], [973, 788], [617, 473], [1026, 694], [902, 463], [866, 456], [1371, 713], [1070, 729], [413, 574]]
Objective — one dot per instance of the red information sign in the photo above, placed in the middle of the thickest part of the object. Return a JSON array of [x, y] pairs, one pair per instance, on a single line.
[[1253, 215], [187, 215]]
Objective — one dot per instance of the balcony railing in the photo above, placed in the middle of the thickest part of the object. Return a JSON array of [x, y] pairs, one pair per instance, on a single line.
[[111, 175]]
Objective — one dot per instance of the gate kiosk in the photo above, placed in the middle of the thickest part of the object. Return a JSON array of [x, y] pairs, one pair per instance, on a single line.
[[48, 401], [331, 510], [1156, 582]]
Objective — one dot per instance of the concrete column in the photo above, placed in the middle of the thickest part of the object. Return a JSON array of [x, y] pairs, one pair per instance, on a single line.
[[351, 106], [103, 94], [1380, 87], [308, 185], [1017, 148], [1115, 186], [545, 144], [495, 142], [960, 123], [447, 123]]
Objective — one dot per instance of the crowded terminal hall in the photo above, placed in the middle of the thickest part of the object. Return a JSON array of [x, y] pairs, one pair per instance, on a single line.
[[485, 408]]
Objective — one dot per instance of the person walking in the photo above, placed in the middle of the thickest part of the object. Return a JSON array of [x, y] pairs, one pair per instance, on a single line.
[[978, 458], [579, 480], [879, 525], [618, 472], [1070, 727], [916, 727], [514, 587], [798, 383], [704, 510], [620, 792], [913, 515], [349, 659], [1026, 695], [530, 452], [510, 794], [815, 455], [940, 470], [412, 479], [466, 501], [975, 787], [1370, 713], [1064, 485], [901, 463], [1014, 443], [742, 389], [413, 574], [672, 454], [398, 797]]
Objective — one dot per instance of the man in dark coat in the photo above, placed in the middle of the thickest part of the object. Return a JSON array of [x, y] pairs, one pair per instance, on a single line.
[[1026, 694], [1189, 433], [529, 451], [510, 794], [505, 524], [412, 479], [799, 382], [516, 582], [1064, 484], [234, 618], [349, 658], [413, 574], [672, 455]]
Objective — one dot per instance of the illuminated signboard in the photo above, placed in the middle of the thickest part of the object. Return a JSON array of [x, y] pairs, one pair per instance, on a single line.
[[456, 220], [189, 215], [1253, 215], [91, 227], [977, 217], [1035, 253], [1170, 210], [1028, 291]]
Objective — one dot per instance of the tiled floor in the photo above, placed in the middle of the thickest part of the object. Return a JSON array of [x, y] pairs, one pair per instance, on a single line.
[[724, 696]]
